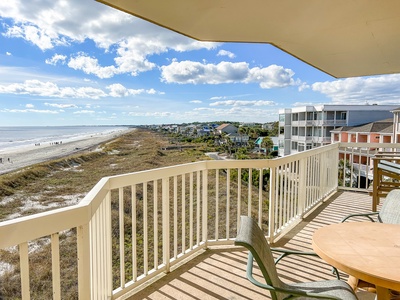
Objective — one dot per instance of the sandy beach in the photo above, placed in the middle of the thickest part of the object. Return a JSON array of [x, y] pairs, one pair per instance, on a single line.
[[13, 159]]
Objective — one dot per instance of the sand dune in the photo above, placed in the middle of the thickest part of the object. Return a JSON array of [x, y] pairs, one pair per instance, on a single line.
[[11, 160]]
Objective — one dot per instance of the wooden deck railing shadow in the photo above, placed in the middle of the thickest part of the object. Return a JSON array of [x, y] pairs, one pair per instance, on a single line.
[[220, 273]]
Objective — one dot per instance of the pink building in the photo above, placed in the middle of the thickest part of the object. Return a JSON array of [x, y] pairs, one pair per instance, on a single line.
[[374, 132]]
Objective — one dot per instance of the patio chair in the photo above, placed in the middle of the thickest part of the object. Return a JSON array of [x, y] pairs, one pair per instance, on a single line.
[[389, 212], [251, 236]]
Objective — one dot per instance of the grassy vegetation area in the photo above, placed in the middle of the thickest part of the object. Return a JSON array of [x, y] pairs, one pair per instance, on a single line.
[[52, 182], [65, 181]]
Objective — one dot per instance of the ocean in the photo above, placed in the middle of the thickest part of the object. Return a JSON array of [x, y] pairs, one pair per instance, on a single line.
[[22, 136]]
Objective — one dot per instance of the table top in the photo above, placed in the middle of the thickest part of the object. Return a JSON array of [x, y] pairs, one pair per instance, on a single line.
[[366, 250]]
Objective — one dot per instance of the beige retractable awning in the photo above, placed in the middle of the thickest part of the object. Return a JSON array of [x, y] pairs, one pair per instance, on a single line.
[[343, 38]]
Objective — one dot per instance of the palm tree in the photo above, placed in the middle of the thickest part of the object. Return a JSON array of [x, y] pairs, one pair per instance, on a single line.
[[267, 143]]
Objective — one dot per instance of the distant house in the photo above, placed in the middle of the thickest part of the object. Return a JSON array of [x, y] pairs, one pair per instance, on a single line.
[[251, 124], [203, 132], [274, 139], [268, 126], [239, 139], [226, 128], [189, 129]]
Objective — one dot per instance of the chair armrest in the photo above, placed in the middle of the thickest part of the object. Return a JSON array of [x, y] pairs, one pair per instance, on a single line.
[[291, 293], [367, 215], [286, 252]]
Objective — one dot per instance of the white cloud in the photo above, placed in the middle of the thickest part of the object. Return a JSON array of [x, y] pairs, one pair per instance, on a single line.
[[190, 72], [48, 24], [236, 113], [150, 114], [118, 90], [29, 110], [50, 89], [196, 101], [55, 59], [243, 103], [61, 105], [90, 65], [226, 53], [41, 38], [84, 112], [304, 86], [29, 106], [218, 98], [383, 89], [8, 53], [296, 104]]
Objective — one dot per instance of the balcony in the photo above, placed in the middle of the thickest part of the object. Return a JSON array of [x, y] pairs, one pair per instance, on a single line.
[[134, 228]]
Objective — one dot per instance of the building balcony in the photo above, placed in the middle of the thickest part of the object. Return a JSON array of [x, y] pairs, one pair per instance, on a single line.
[[177, 224], [321, 139], [304, 138]]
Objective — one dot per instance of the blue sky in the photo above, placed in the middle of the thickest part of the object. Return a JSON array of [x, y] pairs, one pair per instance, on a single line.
[[79, 62]]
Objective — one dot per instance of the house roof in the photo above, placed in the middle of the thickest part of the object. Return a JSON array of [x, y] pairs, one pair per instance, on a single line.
[[222, 126], [340, 37], [383, 126]]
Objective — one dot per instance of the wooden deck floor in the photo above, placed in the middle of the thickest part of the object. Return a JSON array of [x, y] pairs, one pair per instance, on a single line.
[[219, 273]]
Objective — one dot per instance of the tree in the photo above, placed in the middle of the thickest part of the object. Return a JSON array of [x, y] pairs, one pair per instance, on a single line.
[[267, 143]]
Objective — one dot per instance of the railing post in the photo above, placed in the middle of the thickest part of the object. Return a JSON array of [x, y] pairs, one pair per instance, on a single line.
[[166, 224], [260, 198], [55, 265], [205, 206], [302, 186], [84, 274], [375, 185], [335, 167], [24, 265], [271, 209]]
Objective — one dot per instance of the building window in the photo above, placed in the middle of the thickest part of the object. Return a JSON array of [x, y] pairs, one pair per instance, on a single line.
[[294, 146], [282, 118], [341, 115]]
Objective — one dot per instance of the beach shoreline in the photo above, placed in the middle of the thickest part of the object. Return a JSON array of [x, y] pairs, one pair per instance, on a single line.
[[14, 159]]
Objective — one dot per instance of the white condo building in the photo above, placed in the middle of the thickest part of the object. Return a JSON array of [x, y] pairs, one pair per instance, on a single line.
[[307, 127]]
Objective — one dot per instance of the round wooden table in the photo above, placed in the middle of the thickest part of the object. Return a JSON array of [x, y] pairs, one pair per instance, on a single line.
[[364, 250]]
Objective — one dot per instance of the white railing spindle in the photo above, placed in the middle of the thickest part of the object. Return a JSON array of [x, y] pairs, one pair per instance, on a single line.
[[55, 265], [24, 265]]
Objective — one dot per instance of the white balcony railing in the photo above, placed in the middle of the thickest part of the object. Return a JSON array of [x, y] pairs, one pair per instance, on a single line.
[[131, 227]]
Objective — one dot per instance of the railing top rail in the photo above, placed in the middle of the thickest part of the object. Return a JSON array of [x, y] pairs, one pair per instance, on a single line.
[[154, 174], [19, 230], [369, 145], [22, 229]]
